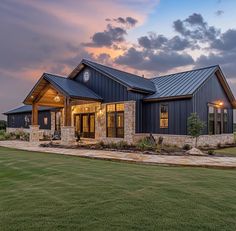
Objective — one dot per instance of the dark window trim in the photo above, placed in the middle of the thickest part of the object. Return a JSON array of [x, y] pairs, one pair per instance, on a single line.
[[165, 105], [115, 121], [223, 128]]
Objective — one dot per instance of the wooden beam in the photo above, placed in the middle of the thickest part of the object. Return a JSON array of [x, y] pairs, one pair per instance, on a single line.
[[67, 112], [40, 95], [34, 114]]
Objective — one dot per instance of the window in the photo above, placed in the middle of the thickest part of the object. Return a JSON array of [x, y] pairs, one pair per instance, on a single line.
[[211, 120], [115, 120], [164, 116], [27, 121], [217, 120], [45, 120], [225, 121]]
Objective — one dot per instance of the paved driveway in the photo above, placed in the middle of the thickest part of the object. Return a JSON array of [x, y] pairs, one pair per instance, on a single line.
[[201, 161]]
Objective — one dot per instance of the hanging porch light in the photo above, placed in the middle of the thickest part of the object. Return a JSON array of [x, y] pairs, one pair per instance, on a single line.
[[57, 98]]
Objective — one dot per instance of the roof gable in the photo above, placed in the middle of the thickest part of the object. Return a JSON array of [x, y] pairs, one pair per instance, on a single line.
[[134, 82], [72, 88], [185, 84], [65, 86]]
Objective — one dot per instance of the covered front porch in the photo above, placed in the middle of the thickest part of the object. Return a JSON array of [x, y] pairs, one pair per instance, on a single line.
[[75, 104], [79, 112]]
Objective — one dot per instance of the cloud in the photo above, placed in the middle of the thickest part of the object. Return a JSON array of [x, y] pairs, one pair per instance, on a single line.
[[112, 35], [219, 12], [195, 28], [151, 61], [108, 37], [226, 42], [157, 42]]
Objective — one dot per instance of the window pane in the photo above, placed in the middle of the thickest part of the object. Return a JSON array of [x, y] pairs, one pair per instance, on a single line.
[[92, 123], [120, 124], [85, 124], [111, 107], [45, 120], [120, 107], [218, 121], [164, 116], [225, 121], [111, 124], [211, 120]]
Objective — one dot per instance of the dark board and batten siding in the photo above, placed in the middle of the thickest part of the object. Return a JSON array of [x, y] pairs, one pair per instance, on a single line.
[[112, 91], [18, 120], [210, 92], [179, 110]]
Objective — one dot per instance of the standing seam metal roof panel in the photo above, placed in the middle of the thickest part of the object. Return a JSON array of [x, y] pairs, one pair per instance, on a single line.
[[130, 80], [180, 84], [71, 87]]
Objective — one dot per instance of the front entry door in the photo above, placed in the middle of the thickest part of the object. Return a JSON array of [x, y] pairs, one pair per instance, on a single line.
[[85, 125]]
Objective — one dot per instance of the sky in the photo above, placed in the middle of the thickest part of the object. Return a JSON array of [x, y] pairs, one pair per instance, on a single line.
[[145, 37]]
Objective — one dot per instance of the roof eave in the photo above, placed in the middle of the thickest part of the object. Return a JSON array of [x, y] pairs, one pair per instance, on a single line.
[[167, 98]]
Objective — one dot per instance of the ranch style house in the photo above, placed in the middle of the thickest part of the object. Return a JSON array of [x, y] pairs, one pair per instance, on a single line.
[[110, 105]]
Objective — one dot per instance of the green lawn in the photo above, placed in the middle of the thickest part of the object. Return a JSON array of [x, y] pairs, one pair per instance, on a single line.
[[54, 192], [227, 151]]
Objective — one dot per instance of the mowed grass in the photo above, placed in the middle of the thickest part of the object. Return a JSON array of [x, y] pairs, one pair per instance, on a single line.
[[54, 192], [227, 151]]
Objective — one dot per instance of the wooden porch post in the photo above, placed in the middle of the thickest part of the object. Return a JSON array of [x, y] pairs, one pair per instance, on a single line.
[[34, 114], [67, 112]]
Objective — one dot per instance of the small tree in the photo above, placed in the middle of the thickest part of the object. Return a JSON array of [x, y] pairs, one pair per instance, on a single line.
[[195, 126]]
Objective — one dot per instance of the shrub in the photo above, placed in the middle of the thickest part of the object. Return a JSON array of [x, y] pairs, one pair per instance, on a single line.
[[102, 144], [146, 144], [195, 126], [3, 125], [111, 145], [187, 147], [122, 145], [211, 152]]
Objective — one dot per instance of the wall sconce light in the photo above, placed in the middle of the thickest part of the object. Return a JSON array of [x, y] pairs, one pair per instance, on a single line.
[[86, 109], [57, 98], [221, 103]]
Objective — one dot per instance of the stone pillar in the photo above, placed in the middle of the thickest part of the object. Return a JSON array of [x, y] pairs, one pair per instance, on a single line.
[[67, 135], [100, 123], [34, 133], [53, 121], [129, 123]]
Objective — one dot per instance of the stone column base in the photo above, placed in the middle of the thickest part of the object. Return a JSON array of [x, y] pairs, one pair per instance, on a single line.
[[67, 135], [34, 133]]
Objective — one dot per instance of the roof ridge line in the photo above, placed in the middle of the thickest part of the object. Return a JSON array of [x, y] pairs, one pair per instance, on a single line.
[[116, 69], [55, 75], [198, 69]]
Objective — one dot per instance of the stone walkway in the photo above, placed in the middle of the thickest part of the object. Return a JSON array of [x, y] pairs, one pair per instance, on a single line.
[[201, 161]]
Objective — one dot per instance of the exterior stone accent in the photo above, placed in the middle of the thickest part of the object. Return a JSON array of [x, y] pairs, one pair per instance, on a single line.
[[41, 132], [53, 120], [129, 123], [129, 126], [181, 140], [34, 133], [67, 135]]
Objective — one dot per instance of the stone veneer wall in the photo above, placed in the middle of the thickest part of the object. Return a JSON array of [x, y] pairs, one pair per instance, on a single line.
[[41, 132], [129, 123], [181, 140]]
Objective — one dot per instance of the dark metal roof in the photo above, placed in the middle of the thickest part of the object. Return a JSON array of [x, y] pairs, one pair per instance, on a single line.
[[26, 108], [132, 81], [181, 84], [71, 88]]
